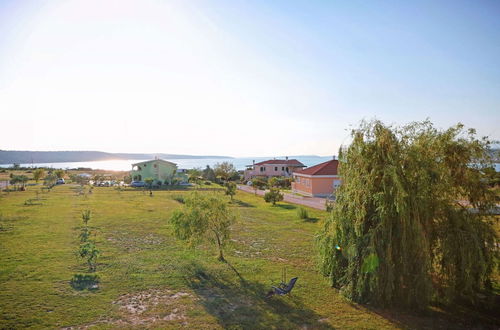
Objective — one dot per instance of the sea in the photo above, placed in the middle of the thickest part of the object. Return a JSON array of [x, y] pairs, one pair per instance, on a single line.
[[126, 164]]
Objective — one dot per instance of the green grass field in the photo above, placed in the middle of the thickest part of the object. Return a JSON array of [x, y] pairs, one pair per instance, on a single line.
[[146, 278]]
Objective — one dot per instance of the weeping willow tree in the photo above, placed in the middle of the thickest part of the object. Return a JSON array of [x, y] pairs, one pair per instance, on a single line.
[[411, 220]]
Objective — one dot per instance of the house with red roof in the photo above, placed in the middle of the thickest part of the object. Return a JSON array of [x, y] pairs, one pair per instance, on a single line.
[[273, 167], [319, 180]]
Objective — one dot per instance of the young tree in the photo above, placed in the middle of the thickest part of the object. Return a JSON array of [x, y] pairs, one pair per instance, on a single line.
[[88, 249], [230, 189], [38, 174], [274, 182], [195, 175], [50, 180], [59, 174], [258, 183], [90, 253], [209, 174], [195, 172], [80, 179], [224, 170], [14, 180], [204, 216], [273, 195], [19, 179], [399, 234], [86, 216], [97, 178]]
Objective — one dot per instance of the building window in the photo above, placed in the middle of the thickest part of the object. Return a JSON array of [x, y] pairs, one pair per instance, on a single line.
[[155, 166], [283, 168], [276, 168]]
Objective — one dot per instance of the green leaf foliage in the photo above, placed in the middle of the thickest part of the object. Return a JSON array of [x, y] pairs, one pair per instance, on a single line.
[[224, 170], [273, 196], [204, 216], [38, 174], [90, 253], [302, 213], [230, 189], [402, 232]]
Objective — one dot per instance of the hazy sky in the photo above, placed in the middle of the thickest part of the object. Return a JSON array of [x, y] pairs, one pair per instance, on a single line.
[[240, 78]]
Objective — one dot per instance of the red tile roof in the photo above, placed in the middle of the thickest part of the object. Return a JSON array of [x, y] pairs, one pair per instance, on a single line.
[[289, 162], [326, 168]]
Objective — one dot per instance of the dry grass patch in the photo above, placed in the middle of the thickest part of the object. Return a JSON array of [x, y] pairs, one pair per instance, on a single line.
[[151, 306]]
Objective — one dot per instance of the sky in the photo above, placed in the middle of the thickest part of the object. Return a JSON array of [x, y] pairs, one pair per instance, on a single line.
[[240, 78]]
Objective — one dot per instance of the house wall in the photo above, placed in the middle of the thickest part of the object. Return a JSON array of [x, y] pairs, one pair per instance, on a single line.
[[161, 172], [270, 170], [314, 186], [165, 171]]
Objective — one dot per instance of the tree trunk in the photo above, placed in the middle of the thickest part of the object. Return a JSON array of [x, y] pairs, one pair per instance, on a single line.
[[219, 245]]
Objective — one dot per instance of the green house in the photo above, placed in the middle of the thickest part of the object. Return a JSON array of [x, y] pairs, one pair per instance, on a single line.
[[162, 171]]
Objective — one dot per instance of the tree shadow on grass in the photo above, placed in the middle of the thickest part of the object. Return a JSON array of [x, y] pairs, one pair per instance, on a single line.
[[82, 282], [236, 302], [440, 317], [312, 220], [32, 202], [242, 203], [286, 206]]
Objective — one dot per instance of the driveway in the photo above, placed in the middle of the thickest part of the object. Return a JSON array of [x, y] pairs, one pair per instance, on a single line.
[[314, 202]]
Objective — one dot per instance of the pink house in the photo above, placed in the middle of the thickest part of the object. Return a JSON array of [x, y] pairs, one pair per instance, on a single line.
[[319, 180], [273, 167]]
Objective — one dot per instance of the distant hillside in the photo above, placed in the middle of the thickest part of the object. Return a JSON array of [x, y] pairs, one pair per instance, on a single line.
[[27, 157]]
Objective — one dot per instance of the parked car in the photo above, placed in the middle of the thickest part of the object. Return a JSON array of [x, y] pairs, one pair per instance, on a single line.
[[60, 181], [137, 184]]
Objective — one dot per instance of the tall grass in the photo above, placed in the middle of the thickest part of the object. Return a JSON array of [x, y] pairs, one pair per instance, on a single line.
[[302, 213]]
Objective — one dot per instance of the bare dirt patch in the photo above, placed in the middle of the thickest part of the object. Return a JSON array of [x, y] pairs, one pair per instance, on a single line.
[[148, 308], [152, 306], [131, 243]]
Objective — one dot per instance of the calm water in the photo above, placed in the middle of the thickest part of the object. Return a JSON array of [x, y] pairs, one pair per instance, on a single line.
[[126, 164]]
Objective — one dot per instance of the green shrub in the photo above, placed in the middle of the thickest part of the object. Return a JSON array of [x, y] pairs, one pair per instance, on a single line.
[[90, 253], [86, 215], [302, 213], [178, 198], [273, 196]]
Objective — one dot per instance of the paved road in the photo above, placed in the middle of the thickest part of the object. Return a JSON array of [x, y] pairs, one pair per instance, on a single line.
[[314, 202]]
